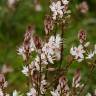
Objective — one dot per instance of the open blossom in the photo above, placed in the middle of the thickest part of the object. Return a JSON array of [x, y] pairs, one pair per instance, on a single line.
[[36, 63], [44, 58], [95, 49], [65, 2], [56, 8], [55, 93], [25, 71], [1, 92], [86, 44], [55, 44], [21, 52], [56, 41], [78, 52], [47, 49], [88, 94], [59, 8], [90, 55], [15, 93], [51, 50], [43, 86], [12, 3], [32, 92], [38, 7]]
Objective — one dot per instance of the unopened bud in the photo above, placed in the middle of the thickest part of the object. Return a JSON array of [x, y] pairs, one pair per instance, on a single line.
[[2, 80], [83, 7], [48, 24], [82, 35], [37, 42]]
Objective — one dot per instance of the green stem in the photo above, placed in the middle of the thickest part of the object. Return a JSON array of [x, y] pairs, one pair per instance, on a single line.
[[62, 33]]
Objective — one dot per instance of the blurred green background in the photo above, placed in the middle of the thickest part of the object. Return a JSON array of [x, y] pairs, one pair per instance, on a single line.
[[15, 19]]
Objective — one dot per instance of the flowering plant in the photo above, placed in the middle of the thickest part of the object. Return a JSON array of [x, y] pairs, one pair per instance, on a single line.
[[44, 58]]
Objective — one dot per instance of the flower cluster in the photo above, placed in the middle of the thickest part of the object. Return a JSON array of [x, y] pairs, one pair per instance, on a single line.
[[46, 53], [28, 45], [59, 8], [82, 52], [49, 52], [63, 88]]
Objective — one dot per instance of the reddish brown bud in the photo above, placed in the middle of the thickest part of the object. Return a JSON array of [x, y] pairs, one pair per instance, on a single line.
[[76, 79], [29, 32], [48, 24], [2, 80], [82, 35], [37, 42]]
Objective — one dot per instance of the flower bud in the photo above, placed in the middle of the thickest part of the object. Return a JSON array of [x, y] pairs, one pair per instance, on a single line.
[[48, 24], [2, 80], [37, 42], [82, 35], [83, 7]]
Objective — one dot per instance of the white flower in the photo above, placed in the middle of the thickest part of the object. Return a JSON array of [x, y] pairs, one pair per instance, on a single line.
[[65, 2], [44, 82], [11, 2], [95, 92], [15, 93], [55, 41], [52, 49], [87, 44], [95, 49], [48, 52], [51, 41], [57, 54], [25, 70], [90, 55], [44, 59], [32, 92], [47, 49], [56, 8], [42, 87], [88, 94], [32, 46], [7, 95], [37, 62], [77, 52], [1, 92], [55, 44], [38, 7], [55, 93], [50, 59], [21, 52], [37, 66], [58, 41], [5, 84]]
